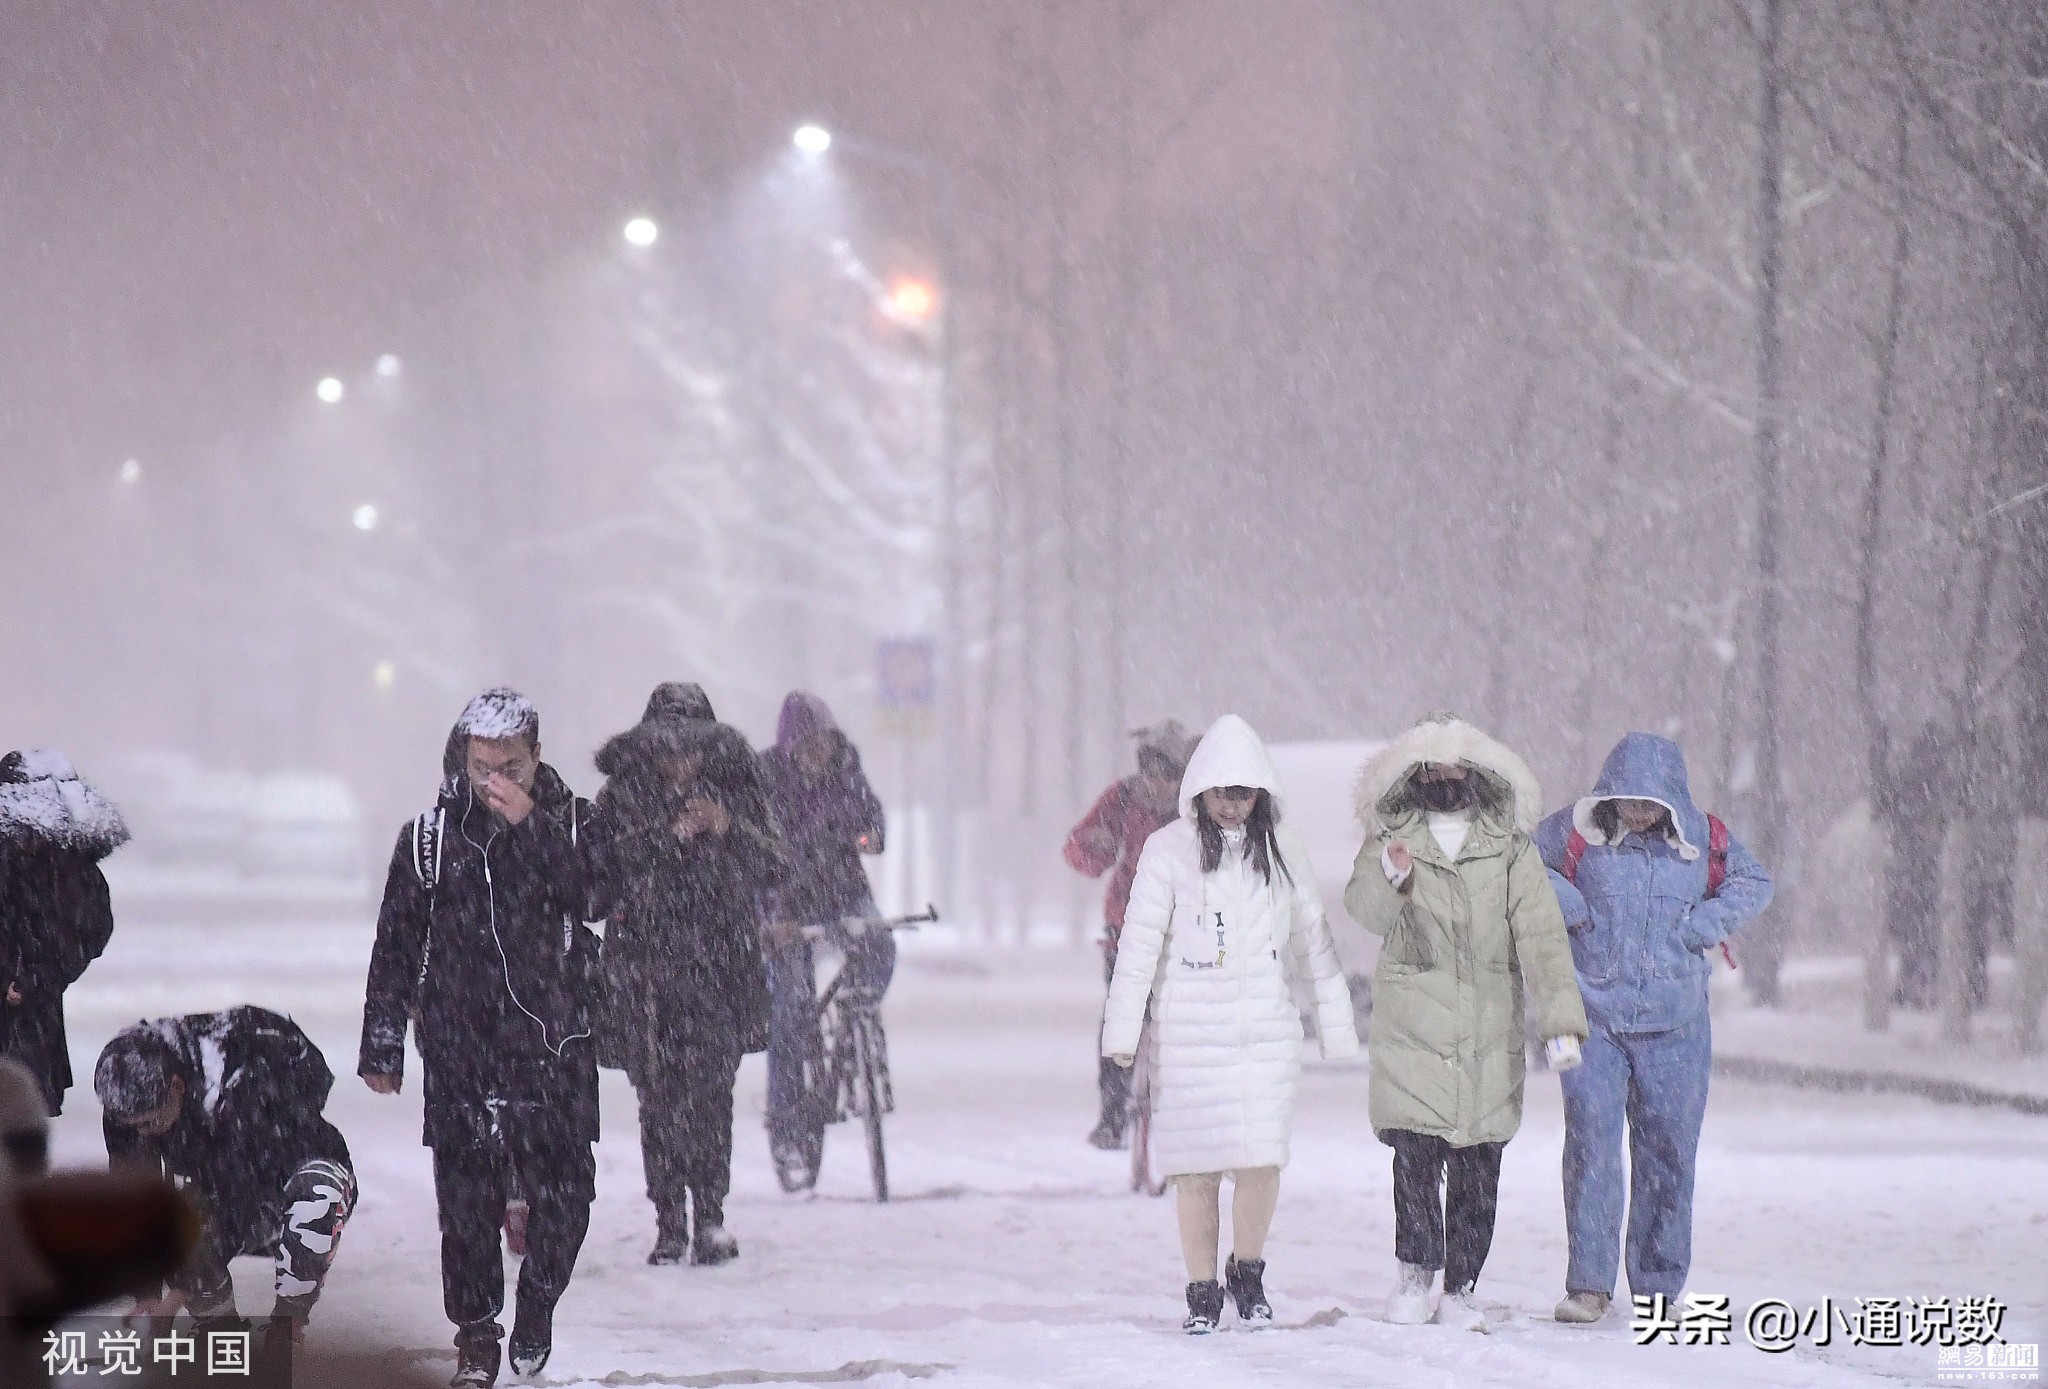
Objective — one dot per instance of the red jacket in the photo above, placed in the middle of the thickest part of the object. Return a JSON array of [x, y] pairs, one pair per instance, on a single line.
[[1121, 811]]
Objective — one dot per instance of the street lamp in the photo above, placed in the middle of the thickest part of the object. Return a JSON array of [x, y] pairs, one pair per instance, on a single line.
[[641, 231], [131, 471], [365, 517], [912, 301], [389, 365], [812, 139], [330, 389]]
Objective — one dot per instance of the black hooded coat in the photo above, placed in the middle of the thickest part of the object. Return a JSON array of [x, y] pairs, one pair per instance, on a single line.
[[682, 933], [484, 949], [55, 914]]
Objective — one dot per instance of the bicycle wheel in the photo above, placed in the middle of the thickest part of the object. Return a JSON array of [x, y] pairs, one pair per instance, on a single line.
[[872, 1080]]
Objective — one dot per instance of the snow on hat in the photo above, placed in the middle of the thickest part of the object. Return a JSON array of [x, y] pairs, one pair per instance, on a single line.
[[133, 1076], [1169, 741], [501, 712]]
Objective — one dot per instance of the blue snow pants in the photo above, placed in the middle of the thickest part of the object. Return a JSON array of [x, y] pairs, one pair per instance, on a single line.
[[1652, 1087]]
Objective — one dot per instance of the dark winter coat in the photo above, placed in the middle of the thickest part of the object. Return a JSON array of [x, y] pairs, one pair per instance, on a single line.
[[255, 1091], [682, 917], [55, 915], [488, 956], [828, 823]]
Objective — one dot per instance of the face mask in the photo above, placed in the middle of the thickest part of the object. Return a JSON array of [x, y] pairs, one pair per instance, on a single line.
[[1444, 796]]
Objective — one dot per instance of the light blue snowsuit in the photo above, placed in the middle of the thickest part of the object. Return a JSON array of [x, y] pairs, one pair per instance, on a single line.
[[1641, 925]]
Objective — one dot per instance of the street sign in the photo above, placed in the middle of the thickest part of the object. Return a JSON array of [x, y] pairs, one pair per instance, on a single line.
[[907, 684]]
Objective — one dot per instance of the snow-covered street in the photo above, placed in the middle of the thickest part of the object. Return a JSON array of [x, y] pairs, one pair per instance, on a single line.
[[1014, 1254]]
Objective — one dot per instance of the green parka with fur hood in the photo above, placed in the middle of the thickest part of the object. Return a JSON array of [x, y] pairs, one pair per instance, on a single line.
[[1465, 943]]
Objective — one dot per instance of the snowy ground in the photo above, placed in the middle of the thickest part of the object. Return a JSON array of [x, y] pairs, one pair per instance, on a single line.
[[1015, 1256]]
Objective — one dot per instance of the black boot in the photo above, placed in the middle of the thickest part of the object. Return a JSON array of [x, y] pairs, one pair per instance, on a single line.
[[1247, 1282], [533, 1337], [671, 1238], [1205, 1308], [477, 1354]]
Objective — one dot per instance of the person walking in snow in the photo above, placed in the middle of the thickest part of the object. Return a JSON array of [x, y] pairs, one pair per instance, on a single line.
[[231, 1106], [830, 819], [1649, 885], [683, 848], [1110, 837], [1223, 905], [482, 948], [55, 915], [1449, 880]]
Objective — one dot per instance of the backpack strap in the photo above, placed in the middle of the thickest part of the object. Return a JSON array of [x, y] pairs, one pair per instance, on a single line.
[[1574, 850], [428, 834], [1717, 854]]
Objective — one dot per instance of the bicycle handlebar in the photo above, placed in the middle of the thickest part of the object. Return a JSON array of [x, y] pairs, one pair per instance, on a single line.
[[861, 925]]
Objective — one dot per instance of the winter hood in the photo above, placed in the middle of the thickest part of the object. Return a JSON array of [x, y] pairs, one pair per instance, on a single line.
[[678, 699], [802, 715], [1381, 794], [1645, 767], [1230, 754], [42, 798]]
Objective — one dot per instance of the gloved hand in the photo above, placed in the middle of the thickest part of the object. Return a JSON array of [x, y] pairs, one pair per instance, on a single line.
[[1562, 1053]]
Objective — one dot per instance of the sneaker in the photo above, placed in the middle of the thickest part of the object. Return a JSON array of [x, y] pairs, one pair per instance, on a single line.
[[713, 1246], [1461, 1310], [477, 1353], [1583, 1309], [792, 1168], [1246, 1280], [533, 1338], [1408, 1304], [1205, 1308], [1107, 1136]]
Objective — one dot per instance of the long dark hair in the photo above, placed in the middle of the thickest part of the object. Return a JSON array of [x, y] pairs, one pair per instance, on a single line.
[[1261, 844]]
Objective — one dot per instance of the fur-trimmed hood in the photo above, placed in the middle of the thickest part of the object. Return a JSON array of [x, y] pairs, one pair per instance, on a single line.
[[1380, 795], [42, 798], [1645, 767]]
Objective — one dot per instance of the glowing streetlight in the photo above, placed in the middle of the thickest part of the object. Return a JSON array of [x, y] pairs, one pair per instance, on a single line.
[[384, 676], [131, 472], [330, 389], [812, 139], [388, 365], [912, 301], [365, 517], [641, 231]]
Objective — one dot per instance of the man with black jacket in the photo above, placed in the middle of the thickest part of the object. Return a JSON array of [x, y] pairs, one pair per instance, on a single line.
[[481, 944], [230, 1107], [685, 848]]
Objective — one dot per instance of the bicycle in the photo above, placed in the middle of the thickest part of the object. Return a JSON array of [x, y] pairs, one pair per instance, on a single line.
[[846, 1061]]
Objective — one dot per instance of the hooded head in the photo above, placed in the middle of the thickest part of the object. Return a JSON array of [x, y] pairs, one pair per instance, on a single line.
[[678, 699], [42, 798], [1230, 754], [1504, 787], [1164, 749], [1644, 767], [803, 714]]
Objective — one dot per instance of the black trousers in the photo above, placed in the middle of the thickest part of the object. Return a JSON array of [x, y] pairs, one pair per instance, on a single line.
[[686, 1131], [1440, 1223], [557, 1176]]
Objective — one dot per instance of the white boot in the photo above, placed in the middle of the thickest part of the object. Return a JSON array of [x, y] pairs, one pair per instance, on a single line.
[[1461, 1309], [1582, 1309], [1408, 1304]]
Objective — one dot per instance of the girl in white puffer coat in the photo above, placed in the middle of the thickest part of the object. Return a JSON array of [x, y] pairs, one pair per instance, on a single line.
[[1224, 902]]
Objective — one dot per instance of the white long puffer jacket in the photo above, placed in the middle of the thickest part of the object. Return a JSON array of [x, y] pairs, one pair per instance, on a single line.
[[1209, 953]]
